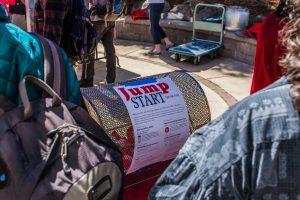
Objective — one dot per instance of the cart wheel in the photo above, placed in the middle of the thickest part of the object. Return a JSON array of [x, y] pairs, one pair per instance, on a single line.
[[196, 60], [177, 57], [218, 53], [213, 55]]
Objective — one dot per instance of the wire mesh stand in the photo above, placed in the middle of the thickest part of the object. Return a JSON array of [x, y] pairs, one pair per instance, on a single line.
[[104, 57]]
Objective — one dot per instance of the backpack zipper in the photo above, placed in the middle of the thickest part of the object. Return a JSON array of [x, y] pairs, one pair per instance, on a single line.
[[64, 154]]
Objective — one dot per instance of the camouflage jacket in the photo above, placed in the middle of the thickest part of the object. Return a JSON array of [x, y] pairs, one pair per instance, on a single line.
[[250, 152]]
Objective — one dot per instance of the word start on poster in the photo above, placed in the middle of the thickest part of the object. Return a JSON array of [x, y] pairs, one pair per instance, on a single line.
[[148, 95]]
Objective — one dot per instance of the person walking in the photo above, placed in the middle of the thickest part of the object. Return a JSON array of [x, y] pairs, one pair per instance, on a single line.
[[156, 7], [105, 27]]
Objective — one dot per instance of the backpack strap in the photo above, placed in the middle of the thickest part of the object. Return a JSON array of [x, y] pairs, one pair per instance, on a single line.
[[5, 105], [54, 67]]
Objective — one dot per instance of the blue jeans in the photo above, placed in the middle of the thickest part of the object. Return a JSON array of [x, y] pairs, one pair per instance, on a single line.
[[156, 31]]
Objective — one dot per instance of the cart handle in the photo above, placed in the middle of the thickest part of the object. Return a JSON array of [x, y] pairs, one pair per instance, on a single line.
[[209, 26]]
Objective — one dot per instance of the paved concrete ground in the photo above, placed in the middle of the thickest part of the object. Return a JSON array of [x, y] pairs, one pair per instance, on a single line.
[[225, 81]]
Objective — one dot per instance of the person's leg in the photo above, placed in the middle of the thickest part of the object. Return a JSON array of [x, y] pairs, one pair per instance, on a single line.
[[160, 8], [168, 42], [108, 43], [163, 35], [88, 70], [155, 14]]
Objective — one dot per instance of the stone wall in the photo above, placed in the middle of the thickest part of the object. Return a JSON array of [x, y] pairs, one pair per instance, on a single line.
[[236, 47]]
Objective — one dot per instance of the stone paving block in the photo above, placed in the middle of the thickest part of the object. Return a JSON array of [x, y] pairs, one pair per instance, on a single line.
[[216, 104], [237, 87]]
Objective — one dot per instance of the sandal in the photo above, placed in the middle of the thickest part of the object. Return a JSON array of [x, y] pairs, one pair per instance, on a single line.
[[154, 53], [169, 46]]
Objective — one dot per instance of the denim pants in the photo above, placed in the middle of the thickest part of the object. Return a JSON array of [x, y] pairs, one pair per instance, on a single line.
[[155, 13]]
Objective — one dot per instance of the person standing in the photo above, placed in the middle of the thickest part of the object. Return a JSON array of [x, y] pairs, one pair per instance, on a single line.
[[156, 7], [105, 31], [105, 27], [66, 22], [269, 50]]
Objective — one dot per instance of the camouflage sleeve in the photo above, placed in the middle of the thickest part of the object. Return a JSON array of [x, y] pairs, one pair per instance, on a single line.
[[183, 181], [178, 182]]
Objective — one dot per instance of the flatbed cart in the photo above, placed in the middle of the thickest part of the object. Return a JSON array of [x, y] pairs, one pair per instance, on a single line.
[[200, 47]]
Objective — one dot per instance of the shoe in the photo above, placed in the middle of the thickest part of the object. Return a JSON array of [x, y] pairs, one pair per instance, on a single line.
[[169, 46], [153, 53], [105, 83], [83, 83]]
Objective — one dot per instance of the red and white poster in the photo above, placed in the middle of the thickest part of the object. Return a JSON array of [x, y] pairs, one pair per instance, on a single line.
[[159, 117]]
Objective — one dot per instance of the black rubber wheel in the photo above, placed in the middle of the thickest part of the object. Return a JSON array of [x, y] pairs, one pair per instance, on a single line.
[[213, 54], [196, 60], [218, 53], [177, 57]]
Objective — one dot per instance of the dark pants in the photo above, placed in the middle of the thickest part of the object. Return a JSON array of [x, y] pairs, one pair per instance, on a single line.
[[155, 14], [106, 35]]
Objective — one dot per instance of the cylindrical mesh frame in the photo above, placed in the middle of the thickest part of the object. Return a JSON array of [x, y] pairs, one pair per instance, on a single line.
[[108, 109]]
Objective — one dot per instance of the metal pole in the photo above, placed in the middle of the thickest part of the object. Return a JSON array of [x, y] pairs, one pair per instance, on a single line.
[[28, 15]]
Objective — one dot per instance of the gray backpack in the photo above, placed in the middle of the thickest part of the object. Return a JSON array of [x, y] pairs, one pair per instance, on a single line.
[[53, 149]]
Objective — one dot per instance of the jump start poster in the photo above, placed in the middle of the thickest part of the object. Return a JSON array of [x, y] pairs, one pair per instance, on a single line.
[[159, 117]]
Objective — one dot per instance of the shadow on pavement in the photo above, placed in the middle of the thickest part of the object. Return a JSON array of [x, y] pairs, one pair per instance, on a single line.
[[100, 73], [222, 66]]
